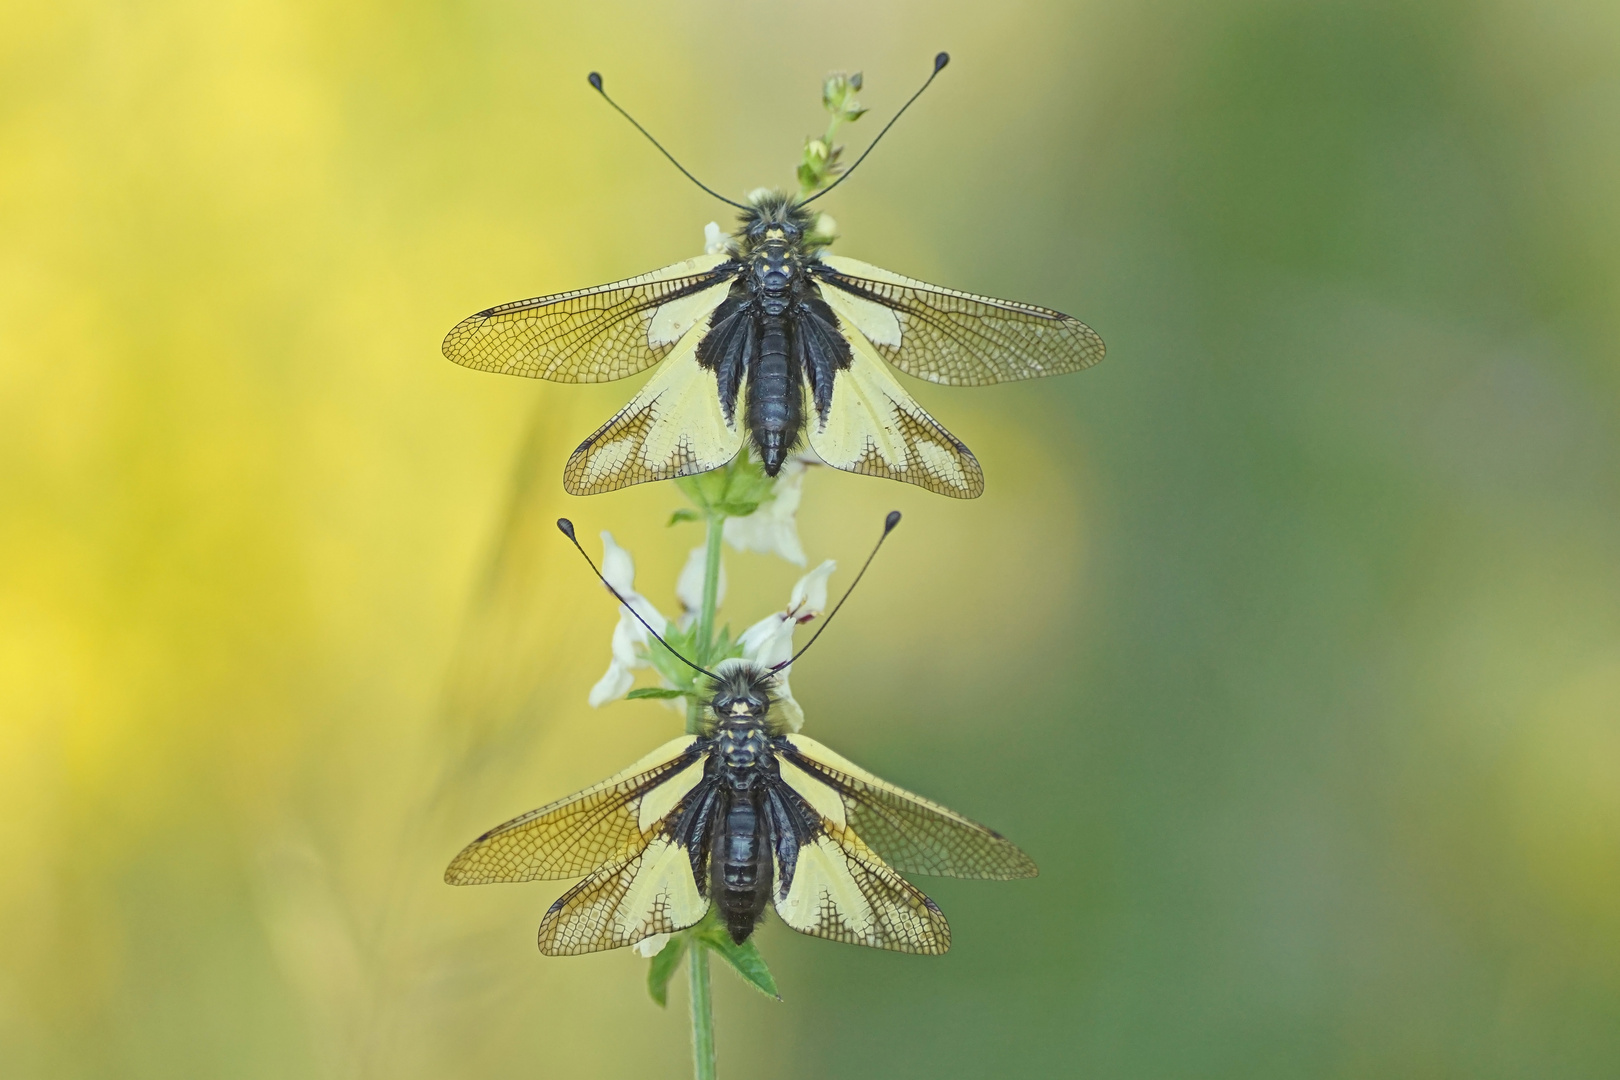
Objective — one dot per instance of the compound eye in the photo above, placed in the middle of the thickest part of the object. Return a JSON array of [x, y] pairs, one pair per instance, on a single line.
[[790, 230]]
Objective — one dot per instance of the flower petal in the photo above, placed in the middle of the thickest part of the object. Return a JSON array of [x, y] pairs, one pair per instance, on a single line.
[[652, 946], [810, 593], [773, 528], [714, 241]]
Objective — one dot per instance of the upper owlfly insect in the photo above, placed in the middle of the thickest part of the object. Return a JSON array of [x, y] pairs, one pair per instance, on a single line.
[[773, 342]]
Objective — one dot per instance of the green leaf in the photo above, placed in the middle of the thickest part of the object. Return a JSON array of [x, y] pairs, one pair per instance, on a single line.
[[733, 490], [744, 959], [684, 514], [663, 968], [653, 692], [663, 661]]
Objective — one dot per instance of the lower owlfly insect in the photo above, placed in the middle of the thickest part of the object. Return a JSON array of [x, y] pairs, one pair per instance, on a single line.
[[743, 815], [772, 343]]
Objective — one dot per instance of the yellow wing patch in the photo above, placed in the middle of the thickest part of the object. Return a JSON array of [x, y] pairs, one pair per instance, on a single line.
[[874, 427], [673, 427]]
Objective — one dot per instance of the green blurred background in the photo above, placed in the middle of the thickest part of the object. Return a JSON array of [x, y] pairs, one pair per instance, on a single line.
[[1286, 640]]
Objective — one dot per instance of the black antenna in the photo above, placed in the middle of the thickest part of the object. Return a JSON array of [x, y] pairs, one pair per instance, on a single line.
[[596, 81], [939, 65], [567, 528], [888, 527]]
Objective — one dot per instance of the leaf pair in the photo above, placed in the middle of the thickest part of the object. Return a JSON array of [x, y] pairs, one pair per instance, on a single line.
[[744, 959]]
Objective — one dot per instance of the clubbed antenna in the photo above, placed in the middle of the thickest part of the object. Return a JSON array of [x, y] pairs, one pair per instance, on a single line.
[[939, 65], [595, 80], [888, 527], [567, 529]]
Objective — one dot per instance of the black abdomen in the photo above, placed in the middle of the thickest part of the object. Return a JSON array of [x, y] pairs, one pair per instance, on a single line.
[[740, 865], [774, 411]]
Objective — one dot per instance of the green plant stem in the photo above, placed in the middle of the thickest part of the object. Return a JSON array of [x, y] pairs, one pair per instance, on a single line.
[[698, 954], [711, 585], [702, 1013]]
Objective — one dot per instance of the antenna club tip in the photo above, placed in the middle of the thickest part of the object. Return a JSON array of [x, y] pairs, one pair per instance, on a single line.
[[939, 62], [595, 79], [890, 522], [566, 527]]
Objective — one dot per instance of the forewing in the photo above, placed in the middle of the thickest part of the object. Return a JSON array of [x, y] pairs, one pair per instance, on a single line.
[[594, 335], [908, 832], [839, 889], [652, 893], [610, 824], [673, 427], [953, 337], [874, 427]]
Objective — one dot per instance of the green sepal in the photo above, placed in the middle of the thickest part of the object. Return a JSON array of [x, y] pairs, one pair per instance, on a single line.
[[734, 490], [685, 513], [663, 968], [653, 692], [664, 662], [744, 959]]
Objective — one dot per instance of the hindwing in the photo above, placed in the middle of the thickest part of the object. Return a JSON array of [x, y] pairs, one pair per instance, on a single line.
[[597, 334], [653, 893], [675, 426], [871, 425], [838, 888]]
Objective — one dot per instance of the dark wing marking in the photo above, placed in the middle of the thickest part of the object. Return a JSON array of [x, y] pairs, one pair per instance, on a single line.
[[593, 335], [953, 337], [653, 893], [909, 832], [841, 890], [608, 824]]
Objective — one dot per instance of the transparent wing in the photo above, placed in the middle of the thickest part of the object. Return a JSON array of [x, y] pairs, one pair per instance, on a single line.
[[953, 337], [874, 427], [908, 832], [652, 893], [610, 824], [839, 889], [594, 335], [673, 427]]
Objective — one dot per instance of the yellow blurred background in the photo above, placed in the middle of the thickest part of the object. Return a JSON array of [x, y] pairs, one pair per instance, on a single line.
[[1286, 640]]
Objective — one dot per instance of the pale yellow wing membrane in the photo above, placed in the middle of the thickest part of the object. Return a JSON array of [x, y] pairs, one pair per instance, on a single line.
[[673, 427], [840, 890], [909, 832], [608, 824], [951, 337], [653, 893], [598, 334], [874, 427]]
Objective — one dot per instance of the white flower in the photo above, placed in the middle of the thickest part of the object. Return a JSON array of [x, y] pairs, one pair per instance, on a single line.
[[714, 241], [652, 946], [770, 641], [773, 528], [630, 638], [689, 586]]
